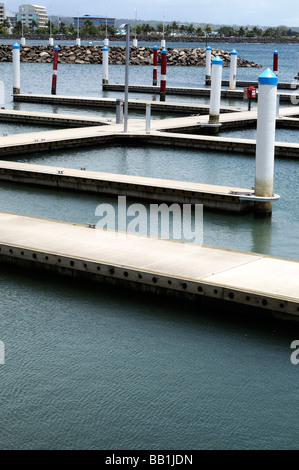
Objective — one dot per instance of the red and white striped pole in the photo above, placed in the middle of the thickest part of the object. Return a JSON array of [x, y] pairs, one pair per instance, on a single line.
[[275, 62], [54, 77], [163, 74], [155, 66]]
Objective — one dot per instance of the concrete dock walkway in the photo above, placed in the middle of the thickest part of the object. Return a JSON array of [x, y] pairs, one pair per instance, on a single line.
[[151, 265], [52, 119], [102, 135], [225, 93], [133, 104], [223, 198]]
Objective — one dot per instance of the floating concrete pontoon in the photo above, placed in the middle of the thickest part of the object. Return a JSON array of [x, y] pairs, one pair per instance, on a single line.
[[225, 93], [223, 198], [149, 265], [52, 119], [134, 104]]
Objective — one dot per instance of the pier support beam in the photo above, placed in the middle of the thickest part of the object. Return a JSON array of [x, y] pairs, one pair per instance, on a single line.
[[233, 69], [265, 140], [148, 118], [208, 63], [105, 52], [163, 75], [155, 66], [54, 78], [16, 69], [215, 91], [275, 62]]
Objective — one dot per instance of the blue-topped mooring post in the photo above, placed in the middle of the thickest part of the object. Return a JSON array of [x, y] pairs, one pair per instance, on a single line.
[[16, 69], [105, 53], [233, 69], [208, 63], [126, 107], [275, 62], [215, 90], [265, 141]]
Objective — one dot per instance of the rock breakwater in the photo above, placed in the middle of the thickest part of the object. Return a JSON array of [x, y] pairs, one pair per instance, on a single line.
[[117, 55]]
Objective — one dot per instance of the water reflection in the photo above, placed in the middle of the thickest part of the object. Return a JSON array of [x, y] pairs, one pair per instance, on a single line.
[[261, 231]]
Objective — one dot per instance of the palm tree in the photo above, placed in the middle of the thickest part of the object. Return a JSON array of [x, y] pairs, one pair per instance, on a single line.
[[208, 29], [199, 31], [6, 24], [159, 27], [241, 32], [190, 29], [33, 25], [174, 26], [146, 29]]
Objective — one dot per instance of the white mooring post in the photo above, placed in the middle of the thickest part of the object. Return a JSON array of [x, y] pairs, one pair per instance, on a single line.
[[297, 76], [105, 52], [148, 118], [215, 90], [208, 63], [16, 69], [233, 69], [265, 140]]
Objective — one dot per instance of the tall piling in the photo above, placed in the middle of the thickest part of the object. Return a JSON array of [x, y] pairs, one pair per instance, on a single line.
[[215, 96], [265, 140], [233, 69], [16, 69]]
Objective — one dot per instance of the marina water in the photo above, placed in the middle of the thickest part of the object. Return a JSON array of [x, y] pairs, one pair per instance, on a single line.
[[86, 368]]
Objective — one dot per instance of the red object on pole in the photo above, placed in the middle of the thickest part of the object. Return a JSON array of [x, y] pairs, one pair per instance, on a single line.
[[54, 77], [163, 74], [275, 62], [155, 66]]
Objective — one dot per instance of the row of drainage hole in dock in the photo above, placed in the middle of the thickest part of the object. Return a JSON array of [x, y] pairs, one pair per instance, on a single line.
[[109, 183], [154, 279]]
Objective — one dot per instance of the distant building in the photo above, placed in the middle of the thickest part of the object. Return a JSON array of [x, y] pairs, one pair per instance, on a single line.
[[95, 19], [11, 17], [7, 15], [2, 12], [28, 13]]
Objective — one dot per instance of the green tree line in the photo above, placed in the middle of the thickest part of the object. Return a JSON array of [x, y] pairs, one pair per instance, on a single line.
[[145, 29]]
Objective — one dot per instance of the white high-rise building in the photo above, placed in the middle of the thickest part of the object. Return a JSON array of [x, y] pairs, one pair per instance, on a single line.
[[27, 13], [7, 15], [2, 12]]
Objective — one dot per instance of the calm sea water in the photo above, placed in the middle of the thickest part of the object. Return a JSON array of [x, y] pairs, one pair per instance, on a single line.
[[88, 369]]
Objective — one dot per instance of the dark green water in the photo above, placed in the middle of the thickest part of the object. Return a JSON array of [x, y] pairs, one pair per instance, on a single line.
[[87, 368]]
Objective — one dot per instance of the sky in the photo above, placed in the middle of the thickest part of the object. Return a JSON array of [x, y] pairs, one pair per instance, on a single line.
[[240, 12]]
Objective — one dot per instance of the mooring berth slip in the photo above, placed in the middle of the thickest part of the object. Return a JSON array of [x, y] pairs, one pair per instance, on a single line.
[[102, 135], [52, 119], [225, 93], [152, 265], [222, 198], [133, 104]]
